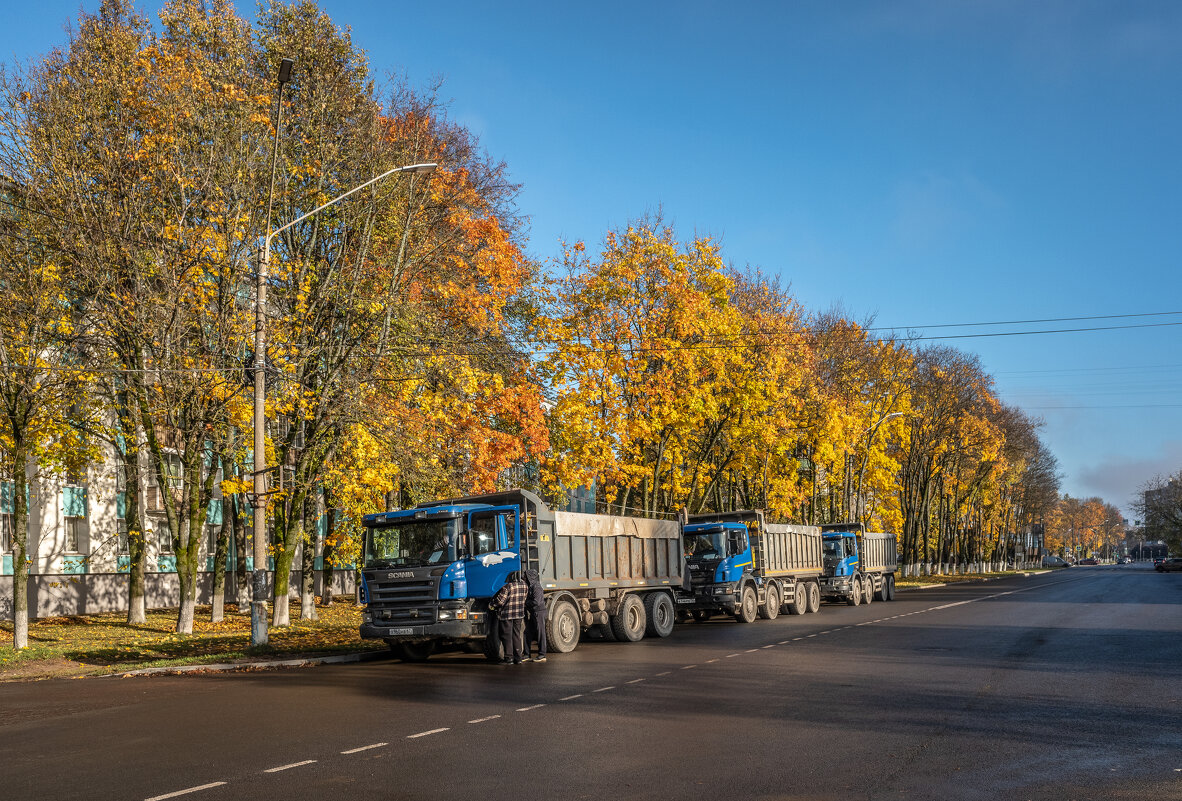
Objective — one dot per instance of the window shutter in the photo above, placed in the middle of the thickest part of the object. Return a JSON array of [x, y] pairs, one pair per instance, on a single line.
[[74, 501]]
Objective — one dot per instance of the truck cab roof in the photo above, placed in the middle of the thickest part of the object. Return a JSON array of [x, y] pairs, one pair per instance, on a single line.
[[430, 513]]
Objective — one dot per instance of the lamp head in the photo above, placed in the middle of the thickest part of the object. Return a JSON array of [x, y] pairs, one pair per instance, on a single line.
[[285, 71]]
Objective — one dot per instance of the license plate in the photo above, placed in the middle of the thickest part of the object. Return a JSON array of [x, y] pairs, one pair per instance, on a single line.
[[397, 632], [686, 600]]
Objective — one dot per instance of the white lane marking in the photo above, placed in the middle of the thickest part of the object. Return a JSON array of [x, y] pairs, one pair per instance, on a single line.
[[797, 639], [828, 631], [784, 642], [364, 748], [571, 697], [810, 636], [732, 656], [689, 667], [634, 681], [604, 689], [752, 650], [425, 733], [184, 792], [528, 708], [773, 645], [708, 661], [484, 720], [287, 767], [666, 673]]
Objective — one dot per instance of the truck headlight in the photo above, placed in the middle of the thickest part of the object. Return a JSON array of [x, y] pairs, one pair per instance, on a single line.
[[444, 614], [366, 617]]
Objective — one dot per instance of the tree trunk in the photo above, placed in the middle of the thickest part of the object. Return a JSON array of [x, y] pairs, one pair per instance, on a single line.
[[133, 518], [20, 545], [221, 550], [308, 564], [242, 577]]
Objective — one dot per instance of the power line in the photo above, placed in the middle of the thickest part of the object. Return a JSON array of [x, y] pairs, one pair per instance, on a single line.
[[1027, 322]]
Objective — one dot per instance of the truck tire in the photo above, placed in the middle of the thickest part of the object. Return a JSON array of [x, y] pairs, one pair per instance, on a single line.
[[629, 623], [415, 651], [563, 627], [493, 651], [771, 605], [814, 597], [891, 587], [855, 596], [658, 608], [883, 593], [800, 601], [748, 605], [868, 589]]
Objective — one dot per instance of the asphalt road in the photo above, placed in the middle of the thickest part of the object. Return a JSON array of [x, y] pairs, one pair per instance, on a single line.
[[1059, 686]]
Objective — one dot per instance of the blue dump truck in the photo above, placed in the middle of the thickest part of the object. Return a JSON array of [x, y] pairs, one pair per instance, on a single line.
[[429, 572], [741, 565], [859, 565]]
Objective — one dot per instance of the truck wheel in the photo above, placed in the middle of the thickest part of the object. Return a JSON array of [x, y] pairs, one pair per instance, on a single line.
[[493, 651], [890, 587], [563, 627], [629, 623], [658, 608], [800, 601], [868, 590], [814, 597], [748, 606], [771, 607], [701, 615], [883, 593], [855, 596], [415, 651]]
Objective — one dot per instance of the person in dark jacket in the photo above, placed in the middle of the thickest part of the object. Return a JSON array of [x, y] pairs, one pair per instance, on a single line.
[[509, 603], [535, 616]]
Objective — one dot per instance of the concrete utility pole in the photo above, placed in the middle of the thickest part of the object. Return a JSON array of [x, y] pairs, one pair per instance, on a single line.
[[258, 578]]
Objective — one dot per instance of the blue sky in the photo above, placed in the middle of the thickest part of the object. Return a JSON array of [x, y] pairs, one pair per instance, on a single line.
[[920, 161]]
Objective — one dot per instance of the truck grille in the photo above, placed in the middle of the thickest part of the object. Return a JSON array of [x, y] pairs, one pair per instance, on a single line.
[[403, 600]]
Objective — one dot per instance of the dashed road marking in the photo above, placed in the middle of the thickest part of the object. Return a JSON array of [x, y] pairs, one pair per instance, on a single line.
[[634, 681], [732, 656], [425, 733], [604, 689], [689, 667], [288, 767], [708, 661], [773, 645], [484, 720], [784, 642], [810, 636], [666, 673], [364, 748], [571, 697], [184, 792], [528, 708]]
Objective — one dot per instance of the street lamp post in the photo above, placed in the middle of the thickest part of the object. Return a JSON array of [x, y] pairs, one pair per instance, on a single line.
[[258, 605]]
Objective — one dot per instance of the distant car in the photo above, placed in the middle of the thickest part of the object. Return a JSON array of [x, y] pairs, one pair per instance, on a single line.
[[1124, 560], [1055, 561], [1169, 565], [1089, 561]]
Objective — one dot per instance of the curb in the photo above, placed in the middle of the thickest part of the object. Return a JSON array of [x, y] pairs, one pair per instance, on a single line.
[[363, 656], [1023, 573]]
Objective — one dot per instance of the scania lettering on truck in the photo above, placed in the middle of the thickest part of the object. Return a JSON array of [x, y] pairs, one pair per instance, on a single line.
[[859, 565], [428, 573], [741, 565]]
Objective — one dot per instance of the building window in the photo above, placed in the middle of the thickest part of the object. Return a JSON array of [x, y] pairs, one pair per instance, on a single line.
[[74, 510], [163, 536]]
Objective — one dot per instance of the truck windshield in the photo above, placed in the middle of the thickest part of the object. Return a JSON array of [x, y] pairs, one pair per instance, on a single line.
[[833, 548], [700, 544], [414, 543]]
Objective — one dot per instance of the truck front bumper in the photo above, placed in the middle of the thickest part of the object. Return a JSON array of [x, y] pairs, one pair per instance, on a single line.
[[446, 630], [705, 601]]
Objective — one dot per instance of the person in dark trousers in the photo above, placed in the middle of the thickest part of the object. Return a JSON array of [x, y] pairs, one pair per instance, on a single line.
[[509, 603], [535, 616]]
